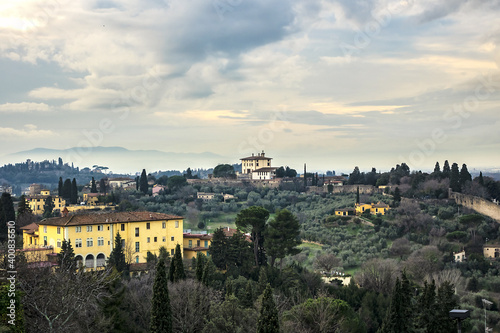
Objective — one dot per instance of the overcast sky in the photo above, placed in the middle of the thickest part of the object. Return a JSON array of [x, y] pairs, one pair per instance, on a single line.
[[333, 84]]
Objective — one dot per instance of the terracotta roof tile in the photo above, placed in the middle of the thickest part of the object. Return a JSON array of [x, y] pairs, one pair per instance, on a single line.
[[107, 217]]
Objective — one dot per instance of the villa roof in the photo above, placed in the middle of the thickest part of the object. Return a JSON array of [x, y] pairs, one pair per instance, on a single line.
[[107, 217], [198, 236], [256, 158], [30, 228]]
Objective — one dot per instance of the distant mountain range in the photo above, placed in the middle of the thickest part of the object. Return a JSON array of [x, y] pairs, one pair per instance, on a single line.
[[119, 159]]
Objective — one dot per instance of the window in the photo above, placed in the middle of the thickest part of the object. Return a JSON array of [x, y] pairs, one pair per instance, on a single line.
[[156, 239], [190, 243], [100, 227], [78, 229], [44, 240], [90, 242], [177, 224], [172, 252], [148, 225], [58, 243], [78, 242], [100, 241], [89, 228], [148, 240], [123, 243], [136, 232], [136, 246], [164, 239], [123, 226], [58, 230], [172, 238], [164, 224], [45, 229]]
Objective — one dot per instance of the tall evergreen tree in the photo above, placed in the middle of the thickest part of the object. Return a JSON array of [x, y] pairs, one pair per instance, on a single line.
[[427, 307], [176, 271], [143, 182], [60, 187], [455, 178], [399, 316], [357, 195], [93, 187], [464, 175], [208, 273], [74, 192], [67, 190], [282, 236], [218, 248], [268, 319], [481, 180], [201, 259], [48, 207], [66, 258], [161, 311], [437, 169], [102, 186], [253, 220], [446, 169], [117, 257], [23, 206], [8, 207]]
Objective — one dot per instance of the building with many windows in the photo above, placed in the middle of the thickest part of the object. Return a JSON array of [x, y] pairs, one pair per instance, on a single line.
[[258, 167], [194, 243], [92, 235], [36, 202]]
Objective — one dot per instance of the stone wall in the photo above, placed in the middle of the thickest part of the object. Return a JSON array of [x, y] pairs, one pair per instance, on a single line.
[[478, 204], [363, 189]]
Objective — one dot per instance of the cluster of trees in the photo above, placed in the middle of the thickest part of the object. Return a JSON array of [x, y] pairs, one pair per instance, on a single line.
[[282, 172], [68, 190]]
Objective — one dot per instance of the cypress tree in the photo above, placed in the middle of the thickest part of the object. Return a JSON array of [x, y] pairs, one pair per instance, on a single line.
[[176, 271], [247, 300], [464, 175], [437, 169], [74, 192], [48, 207], [102, 186], [143, 182], [357, 195], [66, 258], [23, 206], [200, 264], [117, 257], [446, 169], [208, 273], [268, 321], [481, 180], [398, 317], [161, 311], [93, 187], [8, 207], [3, 223], [67, 190], [455, 178], [60, 187], [218, 248]]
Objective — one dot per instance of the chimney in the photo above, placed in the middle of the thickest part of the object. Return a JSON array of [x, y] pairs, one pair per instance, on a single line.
[[262, 154]]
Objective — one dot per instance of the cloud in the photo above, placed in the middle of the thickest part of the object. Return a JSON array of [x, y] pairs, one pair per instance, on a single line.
[[24, 107], [29, 131]]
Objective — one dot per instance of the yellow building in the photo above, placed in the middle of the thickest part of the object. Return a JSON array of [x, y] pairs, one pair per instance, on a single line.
[[194, 243], [345, 212], [253, 163], [92, 235], [37, 201], [378, 208], [91, 199]]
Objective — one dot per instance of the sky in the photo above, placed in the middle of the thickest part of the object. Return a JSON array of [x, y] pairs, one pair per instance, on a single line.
[[334, 84]]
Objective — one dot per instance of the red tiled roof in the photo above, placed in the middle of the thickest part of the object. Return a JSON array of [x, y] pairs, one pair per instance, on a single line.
[[107, 217], [30, 228], [199, 236]]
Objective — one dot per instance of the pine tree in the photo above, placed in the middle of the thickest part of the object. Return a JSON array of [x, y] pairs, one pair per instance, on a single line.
[[143, 182], [66, 258], [282, 236], [74, 192], [161, 311], [268, 319], [455, 178], [93, 187], [117, 257]]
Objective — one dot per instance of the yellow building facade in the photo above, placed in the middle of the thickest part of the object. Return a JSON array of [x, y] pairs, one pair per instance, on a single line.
[[378, 208], [194, 243], [36, 202], [92, 236]]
